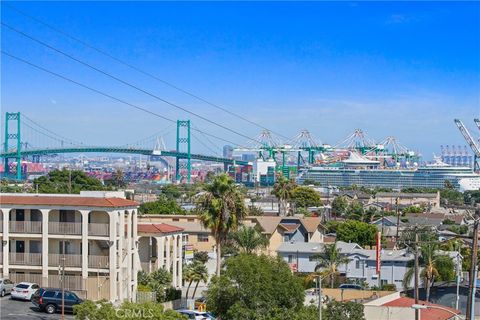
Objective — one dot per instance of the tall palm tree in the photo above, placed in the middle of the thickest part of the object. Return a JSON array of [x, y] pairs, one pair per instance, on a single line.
[[221, 207], [283, 190], [329, 261], [429, 262], [199, 273], [188, 276], [249, 239]]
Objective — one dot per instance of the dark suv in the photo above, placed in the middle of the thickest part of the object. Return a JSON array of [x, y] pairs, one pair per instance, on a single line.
[[50, 300]]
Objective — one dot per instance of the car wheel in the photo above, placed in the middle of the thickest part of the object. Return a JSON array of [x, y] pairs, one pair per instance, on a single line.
[[50, 308], [2, 294]]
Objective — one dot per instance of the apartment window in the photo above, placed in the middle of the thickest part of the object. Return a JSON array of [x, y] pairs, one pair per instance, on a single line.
[[175, 219], [185, 238], [68, 247], [290, 258], [191, 220], [286, 238], [357, 264], [20, 215], [202, 237]]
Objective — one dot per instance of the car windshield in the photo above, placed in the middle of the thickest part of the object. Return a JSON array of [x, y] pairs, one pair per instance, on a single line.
[[22, 286]]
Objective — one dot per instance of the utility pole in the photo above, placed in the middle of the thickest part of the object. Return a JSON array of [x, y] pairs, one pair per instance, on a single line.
[[417, 312], [319, 280], [63, 280], [473, 271], [398, 221]]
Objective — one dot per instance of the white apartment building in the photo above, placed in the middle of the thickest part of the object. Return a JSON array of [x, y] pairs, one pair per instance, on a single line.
[[160, 245], [94, 235]]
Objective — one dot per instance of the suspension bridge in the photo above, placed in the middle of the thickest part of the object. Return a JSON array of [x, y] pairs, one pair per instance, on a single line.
[[17, 147]]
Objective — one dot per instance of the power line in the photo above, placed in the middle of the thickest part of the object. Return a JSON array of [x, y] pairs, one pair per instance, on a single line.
[[126, 83], [148, 74], [50, 131], [106, 94], [43, 133]]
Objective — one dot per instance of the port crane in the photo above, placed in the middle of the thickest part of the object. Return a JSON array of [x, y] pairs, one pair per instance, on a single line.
[[471, 143], [477, 122]]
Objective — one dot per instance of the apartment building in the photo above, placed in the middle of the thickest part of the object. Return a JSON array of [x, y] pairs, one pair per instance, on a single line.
[[160, 245], [93, 235]]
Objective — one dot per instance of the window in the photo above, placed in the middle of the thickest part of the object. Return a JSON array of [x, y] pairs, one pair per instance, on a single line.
[[49, 294], [286, 238], [175, 219], [191, 220], [35, 286], [357, 264], [290, 258], [202, 237], [185, 238], [312, 258], [70, 296]]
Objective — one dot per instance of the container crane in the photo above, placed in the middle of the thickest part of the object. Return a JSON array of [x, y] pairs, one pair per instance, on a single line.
[[471, 143], [477, 122]]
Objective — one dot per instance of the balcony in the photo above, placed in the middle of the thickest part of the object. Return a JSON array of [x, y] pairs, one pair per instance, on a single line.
[[26, 277], [25, 259], [98, 229], [25, 226], [67, 228], [71, 260], [100, 262], [71, 282]]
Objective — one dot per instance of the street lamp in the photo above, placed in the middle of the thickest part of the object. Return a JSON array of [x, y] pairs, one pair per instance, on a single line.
[[318, 284], [423, 306]]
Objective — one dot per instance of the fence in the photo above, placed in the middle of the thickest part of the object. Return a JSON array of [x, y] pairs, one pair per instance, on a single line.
[[71, 260], [98, 229], [143, 296], [25, 227], [175, 304], [71, 282], [30, 259], [64, 228], [26, 277]]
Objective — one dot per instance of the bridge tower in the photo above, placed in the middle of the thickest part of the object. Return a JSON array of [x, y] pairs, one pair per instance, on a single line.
[[13, 116], [183, 142]]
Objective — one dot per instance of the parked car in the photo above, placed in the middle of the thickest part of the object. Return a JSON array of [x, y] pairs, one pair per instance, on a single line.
[[24, 290], [197, 315], [6, 287], [350, 286], [50, 300]]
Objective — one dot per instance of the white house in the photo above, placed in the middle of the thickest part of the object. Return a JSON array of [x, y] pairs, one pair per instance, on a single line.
[[93, 235]]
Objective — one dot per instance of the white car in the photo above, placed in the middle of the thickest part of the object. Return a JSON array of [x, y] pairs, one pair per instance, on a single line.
[[6, 286], [24, 290], [196, 315]]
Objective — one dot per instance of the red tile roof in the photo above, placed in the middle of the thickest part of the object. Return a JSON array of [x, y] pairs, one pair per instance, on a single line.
[[157, 228], [425, 314], [37, 200]]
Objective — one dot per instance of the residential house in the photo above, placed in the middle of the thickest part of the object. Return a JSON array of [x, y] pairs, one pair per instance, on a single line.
[[427, 200], [160, 245], [93, 235]]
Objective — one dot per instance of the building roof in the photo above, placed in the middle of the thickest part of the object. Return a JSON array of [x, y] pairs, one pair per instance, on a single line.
[[404, 195], [157, 228], [311, 223], [425, 314], [64, 200], [189, 227], [270, 223], [314, 247], [290, 227]]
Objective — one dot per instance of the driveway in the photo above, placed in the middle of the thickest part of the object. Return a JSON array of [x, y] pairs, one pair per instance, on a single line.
[[24, 310]]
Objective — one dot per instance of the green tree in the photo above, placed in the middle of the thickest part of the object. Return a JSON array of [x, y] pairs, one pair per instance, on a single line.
[[171, 191], [163, 205], [304, 197], [283, 190], [221, 208], [355, 211], [412, 209], [254, 287], [339, 206], [201, 256], [248, 239], [188, 277], [157, 281], [358, 232], [451, 197], [199, 273], [117, 179], [329, 261], [255, 211], [66, 181], [336, 310], [435, 266], [103, 310]]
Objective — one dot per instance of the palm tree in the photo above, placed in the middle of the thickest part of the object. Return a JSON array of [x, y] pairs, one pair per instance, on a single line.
[[188, 276], [199, 273], [283, 190], [249, 239], [329, 261], [430, 261], [221, 207]]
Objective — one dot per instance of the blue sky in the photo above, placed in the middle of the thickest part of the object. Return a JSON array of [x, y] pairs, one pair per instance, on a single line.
[[404, 69]]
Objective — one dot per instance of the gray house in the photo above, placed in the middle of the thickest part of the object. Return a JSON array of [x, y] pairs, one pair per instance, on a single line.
[[362, 265]]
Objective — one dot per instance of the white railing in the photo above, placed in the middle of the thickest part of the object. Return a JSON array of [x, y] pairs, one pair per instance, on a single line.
[[100, 262], [71, 282], [71, 260], [64, 228], [98, 229], [26, 277], [25, 226], [31, 259]]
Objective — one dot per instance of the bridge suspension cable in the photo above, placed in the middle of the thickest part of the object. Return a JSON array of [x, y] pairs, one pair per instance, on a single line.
[[106, 94], [125, 82], [51, 134], [137, 69]]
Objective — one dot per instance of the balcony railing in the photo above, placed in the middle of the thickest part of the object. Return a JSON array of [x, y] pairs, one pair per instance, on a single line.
[[71, 260], [71, 282], [29, 259], [25, 226], [26, 277], [98, 229], [70, 228], [101, 262]]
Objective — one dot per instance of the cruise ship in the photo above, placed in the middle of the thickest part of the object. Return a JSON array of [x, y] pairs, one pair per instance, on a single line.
[[357, 170]]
